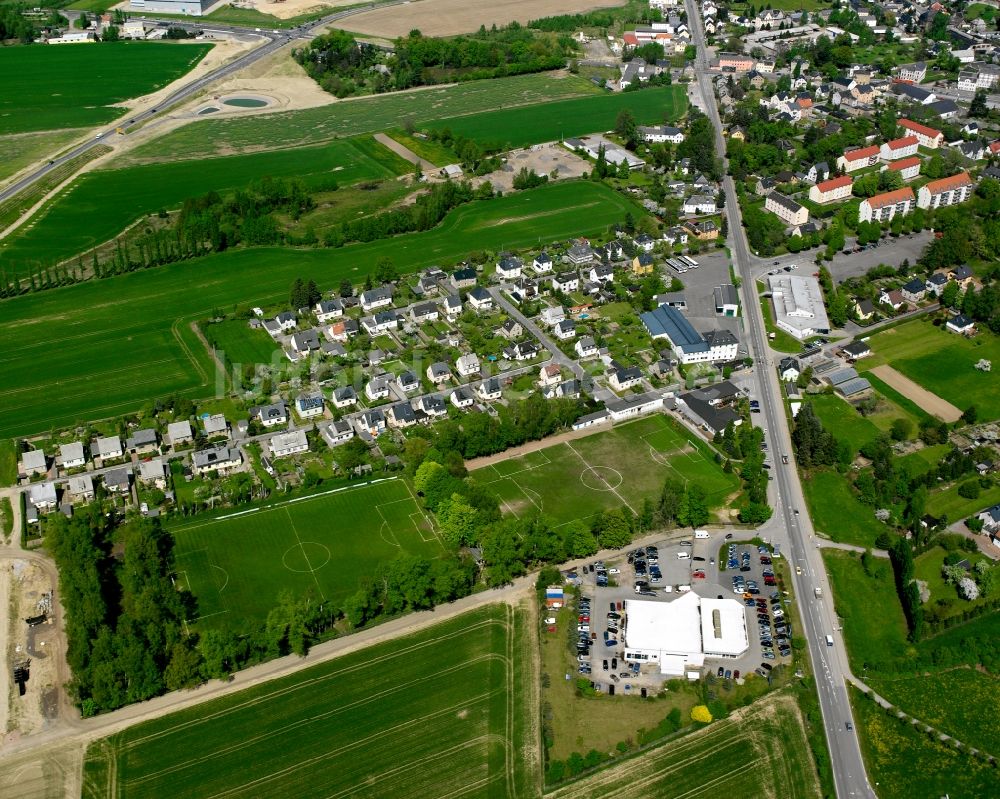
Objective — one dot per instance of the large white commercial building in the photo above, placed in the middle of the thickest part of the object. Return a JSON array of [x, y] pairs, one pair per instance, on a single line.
[[680, 634], [690, 346], [798, 305]]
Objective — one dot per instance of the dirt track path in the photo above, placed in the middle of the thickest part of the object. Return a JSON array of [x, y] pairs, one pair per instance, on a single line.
[[533, 446], [928, 400], [405, 152]]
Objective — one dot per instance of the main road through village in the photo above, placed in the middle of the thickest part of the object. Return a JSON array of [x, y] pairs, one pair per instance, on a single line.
[[790, 525]]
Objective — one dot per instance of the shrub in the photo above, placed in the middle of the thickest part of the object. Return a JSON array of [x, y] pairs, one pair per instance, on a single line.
[[701, 714]]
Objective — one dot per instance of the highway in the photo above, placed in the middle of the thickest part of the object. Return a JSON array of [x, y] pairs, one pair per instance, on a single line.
[[273, 40], [790, 526]]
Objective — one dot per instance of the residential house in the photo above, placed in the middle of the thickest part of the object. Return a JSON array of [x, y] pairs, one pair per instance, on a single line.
[[819, 171], [220, 458], [309, 405], [118, 481], [659, 134], [552, 314], [438, 373], [522, 351], [215, 425], [376, 298], [853, 160], [108, 448], [273, 415], [42, 496], [153, 472], [327, 310], [142, 441], [786, 209], [381, 322], [601, 273], [856, 350], [372, 422], [401, 415], [462, 398], [699, 204], [643, 264], [908, 168], [34, 462], [344, 397], [286, 321], [883, 207], [509, 267], [913, 291], [978, 76], [342, 331], [914, 73], [990, 519], [424, 312], [963, 275], [789, 369], [179, 432], [905, 147], [831, 191], [337, 432], [305, 342], [894, 298], [542, 263], [432, 405], [580, 253], [703, 231], [378, 387], [564, 330], [946, 191], [468, 365], [926, 136], [408, 382], [913, 94], [645, 242], [480, 299], [81, 488], [283, 445], [566, 282], [935, 283], [489, 390], [624, 377], [961, 324], [864, 309], [585, 347], [452, 306], [549, 375]]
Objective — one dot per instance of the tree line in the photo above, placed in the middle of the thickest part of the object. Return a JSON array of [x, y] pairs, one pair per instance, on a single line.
[[14, 25]]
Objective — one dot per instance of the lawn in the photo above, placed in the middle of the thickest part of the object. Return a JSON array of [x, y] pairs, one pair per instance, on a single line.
[[8, 462], [873, 619], [97, 206], [121, 341], [241, 344], [519, 127], [364, 115], [782, 341], [426, 148], [955, 507], [837, 513], [941, 362], [47, 88], [924, 459], [904, 762], [843, 420], [927, 568], [621, 466], [442, 712], [762, 753], [324, 545]]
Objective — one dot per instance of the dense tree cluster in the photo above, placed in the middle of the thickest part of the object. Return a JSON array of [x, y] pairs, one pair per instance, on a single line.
[[699, 146], [901, 557], [344, 66], [15, 26], [813, 444], [123, 614]]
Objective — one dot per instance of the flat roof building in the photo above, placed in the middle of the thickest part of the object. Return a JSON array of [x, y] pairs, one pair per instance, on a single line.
[[798, 305]]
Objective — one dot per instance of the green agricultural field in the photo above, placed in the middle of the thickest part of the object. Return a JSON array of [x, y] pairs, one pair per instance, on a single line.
[[47, 88], [763, 753], [904, 762], [941, 362], [873, 619], [212, 137], [576, 479], [237, 565], [101, 348], [443, 712], [22, 149], [519, 127], [97, 206], [837, 513]]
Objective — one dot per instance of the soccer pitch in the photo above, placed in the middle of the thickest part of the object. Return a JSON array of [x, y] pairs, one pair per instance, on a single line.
[[622, 466], [322, 544], [442, 713]]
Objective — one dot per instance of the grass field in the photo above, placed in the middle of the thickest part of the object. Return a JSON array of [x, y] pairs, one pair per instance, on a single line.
[[324, 545], [47, 88], [621, 466], [22, 149], [948, 502], [365, 115], [518, 127], [873, 619], [443, 712], [941, 362], [905, 763], [241, 344], [99, 205], [760, 752], [844, 421], [837, 513], [124, 340]]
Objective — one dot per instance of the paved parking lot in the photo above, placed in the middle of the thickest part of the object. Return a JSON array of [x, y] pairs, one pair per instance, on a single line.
[[606, 633], [712, 271]]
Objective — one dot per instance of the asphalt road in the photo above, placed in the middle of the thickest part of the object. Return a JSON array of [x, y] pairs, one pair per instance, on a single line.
[[274, 40], [790, 525]]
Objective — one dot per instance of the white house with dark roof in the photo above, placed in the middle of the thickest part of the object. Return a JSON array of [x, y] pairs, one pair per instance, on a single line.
[[376, 298], [273, 414], [480, 299], [468, 365], [286, 321], [566, 282], [43, 496], [585, 347], [372, 422], [407, 382], [542, 263], [221, 458], [509, 267], [345, 397], [309, 405], [452, 306], [328, 310], [401, 415], [424, 312], [489, 390], [337, 432], [462, 398], [378, 387], [108, 447]]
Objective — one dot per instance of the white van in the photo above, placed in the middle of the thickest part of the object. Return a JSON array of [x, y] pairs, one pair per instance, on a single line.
[[683, 589], [683, 556], [701, 533]]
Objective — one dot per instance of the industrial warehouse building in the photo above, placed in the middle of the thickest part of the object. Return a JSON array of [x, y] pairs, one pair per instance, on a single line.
[[679, 635]]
